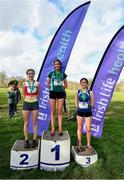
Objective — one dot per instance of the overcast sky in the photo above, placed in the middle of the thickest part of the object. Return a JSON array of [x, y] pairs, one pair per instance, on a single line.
[[28, 26]]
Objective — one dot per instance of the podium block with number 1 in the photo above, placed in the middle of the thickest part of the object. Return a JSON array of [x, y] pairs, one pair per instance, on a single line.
[[55, 151]]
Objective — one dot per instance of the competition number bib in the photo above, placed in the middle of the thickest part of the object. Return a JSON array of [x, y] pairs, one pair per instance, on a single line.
[[57, 82], [83, 105]]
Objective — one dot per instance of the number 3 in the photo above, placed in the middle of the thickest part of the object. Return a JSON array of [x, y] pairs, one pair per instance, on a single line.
[[88, 160]]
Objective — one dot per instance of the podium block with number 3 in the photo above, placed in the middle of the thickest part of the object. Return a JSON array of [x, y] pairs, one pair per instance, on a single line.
[[84, 158], [55, 151]]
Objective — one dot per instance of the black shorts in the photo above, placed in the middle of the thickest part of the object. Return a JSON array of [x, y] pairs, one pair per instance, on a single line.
[[30, 106], [57, 95], [84, 114]]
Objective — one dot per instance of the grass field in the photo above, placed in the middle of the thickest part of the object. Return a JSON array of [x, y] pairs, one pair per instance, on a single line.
[[110, 147]]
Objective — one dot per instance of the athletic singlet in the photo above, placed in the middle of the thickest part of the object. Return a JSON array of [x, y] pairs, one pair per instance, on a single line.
[[57, 78], [84, 101], [31, 91]]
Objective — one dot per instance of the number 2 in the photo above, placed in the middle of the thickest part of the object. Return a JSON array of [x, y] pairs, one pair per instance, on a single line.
[[23, 161]]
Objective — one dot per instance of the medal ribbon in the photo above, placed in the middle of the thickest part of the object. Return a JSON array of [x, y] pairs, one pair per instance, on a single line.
[[58, 75], [31, 87], [83, 95]]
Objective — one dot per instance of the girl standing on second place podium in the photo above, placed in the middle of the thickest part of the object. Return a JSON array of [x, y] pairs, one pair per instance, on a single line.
[[84, 101], [57, 83], [31, 92]]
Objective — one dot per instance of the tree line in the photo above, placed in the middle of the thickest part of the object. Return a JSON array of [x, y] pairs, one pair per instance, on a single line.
[[4, 80]]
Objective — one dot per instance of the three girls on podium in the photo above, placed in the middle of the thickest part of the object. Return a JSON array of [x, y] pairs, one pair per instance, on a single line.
[[57, 83]]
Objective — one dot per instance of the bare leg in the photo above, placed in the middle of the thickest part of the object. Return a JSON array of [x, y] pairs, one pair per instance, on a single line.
[[26, 123], [60, 107], [64, 105], [53, 113], [88, 133], [35, 124], [79, 129]]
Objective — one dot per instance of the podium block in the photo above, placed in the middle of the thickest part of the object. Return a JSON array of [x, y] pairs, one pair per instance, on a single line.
[[23, 158], [84, 158], [55, 151]]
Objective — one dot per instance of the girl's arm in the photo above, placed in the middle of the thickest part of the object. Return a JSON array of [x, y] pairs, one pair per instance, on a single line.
[[65, 83], [76, 100], [92, 98], [48, 82], [38, 94], [23, 91]]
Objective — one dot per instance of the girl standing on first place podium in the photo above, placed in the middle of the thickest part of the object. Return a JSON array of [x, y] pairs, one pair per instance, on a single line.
[[84, 101], [31, 92], [57, 83]]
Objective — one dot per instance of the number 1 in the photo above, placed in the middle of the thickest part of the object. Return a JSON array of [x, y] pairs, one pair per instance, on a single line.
[[57, 152]]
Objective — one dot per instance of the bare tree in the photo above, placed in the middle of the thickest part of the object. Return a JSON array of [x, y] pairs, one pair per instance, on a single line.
[[3, 79]]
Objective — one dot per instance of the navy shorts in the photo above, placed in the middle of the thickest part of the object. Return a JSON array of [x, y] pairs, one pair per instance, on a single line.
[[57, 95], [30, 106], [84, 114]]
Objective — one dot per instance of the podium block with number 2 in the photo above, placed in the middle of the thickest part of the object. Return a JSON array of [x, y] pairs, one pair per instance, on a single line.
[[55, 151], [22, 158]]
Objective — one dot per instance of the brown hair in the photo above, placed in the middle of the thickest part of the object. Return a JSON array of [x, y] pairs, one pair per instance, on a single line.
[[84, 79], [30, 70], [57, 60]]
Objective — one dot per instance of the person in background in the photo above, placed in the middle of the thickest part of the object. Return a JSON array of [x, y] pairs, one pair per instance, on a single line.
[[84, 102], [17, 95], [57, 84], [11, 100], [31, 92]]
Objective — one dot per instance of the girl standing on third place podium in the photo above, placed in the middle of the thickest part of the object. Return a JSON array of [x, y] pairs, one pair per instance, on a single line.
[[57, 83], [31, 92], [84, 101]]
